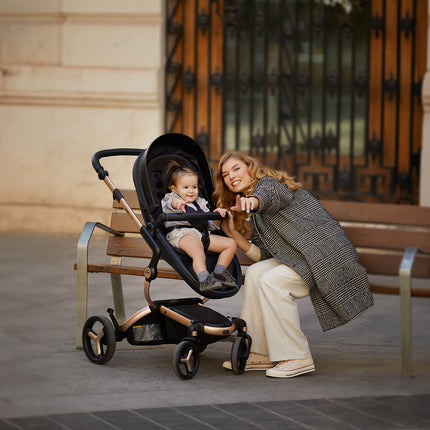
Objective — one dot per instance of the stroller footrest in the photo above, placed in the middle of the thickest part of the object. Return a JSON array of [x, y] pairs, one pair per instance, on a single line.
[[191, 301], [203, 314]]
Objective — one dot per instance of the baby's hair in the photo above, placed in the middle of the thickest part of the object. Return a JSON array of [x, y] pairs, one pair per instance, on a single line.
[[174, 171]]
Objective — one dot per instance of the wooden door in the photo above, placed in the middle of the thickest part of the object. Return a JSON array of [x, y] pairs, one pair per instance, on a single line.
[[194, 70], [328, 94]]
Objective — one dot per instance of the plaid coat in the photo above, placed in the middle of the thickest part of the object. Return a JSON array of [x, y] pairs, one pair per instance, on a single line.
[[295, 228]]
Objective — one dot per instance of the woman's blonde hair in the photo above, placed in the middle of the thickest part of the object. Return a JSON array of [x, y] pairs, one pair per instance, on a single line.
[[225, 198]]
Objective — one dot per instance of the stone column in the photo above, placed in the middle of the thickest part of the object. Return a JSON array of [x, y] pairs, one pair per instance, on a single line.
[[425, 151]]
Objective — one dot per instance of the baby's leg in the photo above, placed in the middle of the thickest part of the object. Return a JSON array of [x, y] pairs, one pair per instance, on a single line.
[[193, 246], [224, 246]]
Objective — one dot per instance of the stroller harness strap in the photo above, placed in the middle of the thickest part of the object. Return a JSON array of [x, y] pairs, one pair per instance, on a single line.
[[201, 226]]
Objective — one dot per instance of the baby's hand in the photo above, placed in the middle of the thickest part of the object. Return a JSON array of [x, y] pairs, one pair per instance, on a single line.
[[178, 203], [221, 211]]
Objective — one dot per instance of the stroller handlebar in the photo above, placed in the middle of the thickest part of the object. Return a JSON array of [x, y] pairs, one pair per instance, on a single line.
[[102, 173]]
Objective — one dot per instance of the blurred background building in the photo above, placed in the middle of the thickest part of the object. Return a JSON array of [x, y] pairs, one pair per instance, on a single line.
[[335, 92]]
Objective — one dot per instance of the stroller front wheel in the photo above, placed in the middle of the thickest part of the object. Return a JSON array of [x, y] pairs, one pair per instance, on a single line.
[[186, 359], [98, 339], [240, 353]]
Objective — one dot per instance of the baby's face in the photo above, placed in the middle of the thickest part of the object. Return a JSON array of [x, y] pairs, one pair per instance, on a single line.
[[187, 187]]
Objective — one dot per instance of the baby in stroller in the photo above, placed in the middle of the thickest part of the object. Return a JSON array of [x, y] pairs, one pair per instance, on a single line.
[[194, 237]]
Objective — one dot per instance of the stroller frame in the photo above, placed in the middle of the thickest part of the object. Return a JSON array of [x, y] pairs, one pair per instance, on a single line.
[[184, 321]]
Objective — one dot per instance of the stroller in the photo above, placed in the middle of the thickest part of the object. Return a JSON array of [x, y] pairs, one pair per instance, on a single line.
[[185, 322]]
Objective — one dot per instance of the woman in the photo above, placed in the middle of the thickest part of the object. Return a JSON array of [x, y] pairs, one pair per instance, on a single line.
[[300, 250]]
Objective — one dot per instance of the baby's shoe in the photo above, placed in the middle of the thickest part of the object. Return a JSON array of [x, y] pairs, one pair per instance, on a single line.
[[225, 278], [210, 283]]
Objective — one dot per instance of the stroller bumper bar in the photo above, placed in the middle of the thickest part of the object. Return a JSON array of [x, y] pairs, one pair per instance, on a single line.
[[163, 217]]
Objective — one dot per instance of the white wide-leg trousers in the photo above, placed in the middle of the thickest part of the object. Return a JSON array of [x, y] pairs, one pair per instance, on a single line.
[[270, 312]]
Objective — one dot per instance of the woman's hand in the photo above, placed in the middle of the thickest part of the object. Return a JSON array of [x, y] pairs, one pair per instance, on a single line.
[[227, 225], [245, 204]]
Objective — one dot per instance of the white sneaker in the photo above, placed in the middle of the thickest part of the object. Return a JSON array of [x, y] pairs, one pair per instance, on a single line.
[[291, 368]]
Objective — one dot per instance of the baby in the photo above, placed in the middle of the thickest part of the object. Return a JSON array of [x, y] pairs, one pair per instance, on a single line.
[[195, 238]]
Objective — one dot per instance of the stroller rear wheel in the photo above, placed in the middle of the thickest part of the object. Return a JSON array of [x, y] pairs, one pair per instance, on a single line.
[[239, 354], [186, 359], [98, 339]]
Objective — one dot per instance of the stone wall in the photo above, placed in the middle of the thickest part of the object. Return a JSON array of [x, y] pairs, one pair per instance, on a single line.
[[76, 76]]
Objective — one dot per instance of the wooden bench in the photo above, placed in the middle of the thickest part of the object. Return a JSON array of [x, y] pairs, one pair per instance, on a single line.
[[391, 240]]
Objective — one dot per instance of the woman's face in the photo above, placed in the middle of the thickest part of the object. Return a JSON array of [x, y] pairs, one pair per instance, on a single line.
[[235, 175]]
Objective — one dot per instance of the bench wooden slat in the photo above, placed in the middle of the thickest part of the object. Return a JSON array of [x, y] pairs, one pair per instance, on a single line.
[[134, 247], [130, 196], [395, 290], [123, 269], [380, 212], [121, 221], [164, 272], [385, 238], [378, 263]]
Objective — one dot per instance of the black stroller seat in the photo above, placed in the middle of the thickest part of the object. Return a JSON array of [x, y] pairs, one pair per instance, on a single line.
[[186, 322], [151, 186]]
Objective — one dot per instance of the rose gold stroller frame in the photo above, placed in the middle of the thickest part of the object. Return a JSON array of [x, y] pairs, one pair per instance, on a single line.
[[165, 311]]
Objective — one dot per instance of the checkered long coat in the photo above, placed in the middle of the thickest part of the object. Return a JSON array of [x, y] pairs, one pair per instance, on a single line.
[[295, 228]]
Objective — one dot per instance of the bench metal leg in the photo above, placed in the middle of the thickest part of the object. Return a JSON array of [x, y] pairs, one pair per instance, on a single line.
[[118, 297], [82, 280], [82, 275], [405, 308]]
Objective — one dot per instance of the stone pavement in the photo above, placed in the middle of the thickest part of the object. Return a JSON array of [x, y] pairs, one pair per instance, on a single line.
[[370, 413], [46, 383]]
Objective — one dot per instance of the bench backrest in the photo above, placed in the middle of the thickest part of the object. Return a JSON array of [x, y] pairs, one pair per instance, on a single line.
[[380, 233]]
